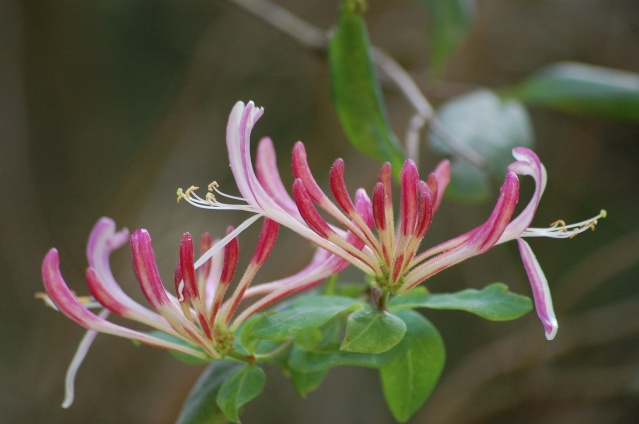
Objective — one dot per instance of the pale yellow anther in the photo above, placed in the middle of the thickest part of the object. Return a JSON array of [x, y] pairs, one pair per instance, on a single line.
[[558, 223], [213, 185], [180, 195], [189, 191], [210, 197]]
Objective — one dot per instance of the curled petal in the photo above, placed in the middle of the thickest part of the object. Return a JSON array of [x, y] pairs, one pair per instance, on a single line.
[[527, 164], [102, 242], [70, 306], [541, 292], [238, 142]]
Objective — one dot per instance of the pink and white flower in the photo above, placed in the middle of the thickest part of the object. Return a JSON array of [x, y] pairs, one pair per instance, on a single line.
[[200, 318], [368, 235]]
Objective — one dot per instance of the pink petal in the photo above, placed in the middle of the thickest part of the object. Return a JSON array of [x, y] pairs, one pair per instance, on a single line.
[[302, 171], [308, 211], [269, 177], [238, 142], [265, 243], [70, 306], [187, 268], [338, 187], [480, 240], [102, 242], [408, 217], [540, 289], [147, 271], [527, 164], [441, 175]]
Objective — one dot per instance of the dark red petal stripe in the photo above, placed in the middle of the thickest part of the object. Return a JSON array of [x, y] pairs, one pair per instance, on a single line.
[[338, 187], [308, 211]]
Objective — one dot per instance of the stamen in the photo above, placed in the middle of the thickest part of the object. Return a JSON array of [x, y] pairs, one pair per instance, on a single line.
[[559, 228], [180, 195], [87, 301]]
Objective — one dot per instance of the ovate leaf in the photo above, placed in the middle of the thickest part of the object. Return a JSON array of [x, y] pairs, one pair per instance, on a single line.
[[372, 331], [411, 376], [200, 406], [243, 385], [307, 313], [584, 90], [357, 95], [494, 302]]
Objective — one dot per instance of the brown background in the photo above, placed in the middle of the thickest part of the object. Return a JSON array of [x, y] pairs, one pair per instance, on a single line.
[[106, 107]]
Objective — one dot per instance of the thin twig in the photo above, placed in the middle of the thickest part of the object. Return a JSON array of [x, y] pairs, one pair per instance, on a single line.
[[312, 37]]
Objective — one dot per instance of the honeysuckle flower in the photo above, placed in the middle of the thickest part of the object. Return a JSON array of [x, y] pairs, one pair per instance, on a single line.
[[367, 236], [200, 317]]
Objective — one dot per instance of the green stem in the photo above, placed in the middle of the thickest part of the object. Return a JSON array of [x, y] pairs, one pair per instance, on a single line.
[[383, 300]]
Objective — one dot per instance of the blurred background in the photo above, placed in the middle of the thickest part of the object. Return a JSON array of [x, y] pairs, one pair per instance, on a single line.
[[108, 106]]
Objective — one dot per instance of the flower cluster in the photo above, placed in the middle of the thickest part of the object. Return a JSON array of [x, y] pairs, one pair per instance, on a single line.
[[367, 236], [201, 318]]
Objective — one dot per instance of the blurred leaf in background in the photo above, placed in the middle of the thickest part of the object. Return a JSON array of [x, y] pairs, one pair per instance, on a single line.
[[449, 21], [583, 89], [492, 127]]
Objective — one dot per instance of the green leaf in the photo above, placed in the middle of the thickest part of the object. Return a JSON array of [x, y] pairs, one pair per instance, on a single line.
[[494, 302], [584, 90], [449, 21], [372, 331], [306, 382], [329, 356], [357, 95], [200, 406], [242, 386], [411, 376], [307, 313], [491, 127]]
